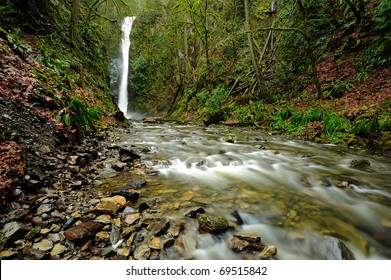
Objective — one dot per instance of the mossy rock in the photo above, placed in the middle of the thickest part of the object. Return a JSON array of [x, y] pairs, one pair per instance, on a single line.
[[212, 224]]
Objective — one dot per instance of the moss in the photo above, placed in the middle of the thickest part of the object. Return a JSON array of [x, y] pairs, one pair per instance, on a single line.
[[212, 224]]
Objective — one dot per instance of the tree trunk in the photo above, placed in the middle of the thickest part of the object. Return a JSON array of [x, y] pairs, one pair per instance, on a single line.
[[310, 49], [258, 73], [74, 20]]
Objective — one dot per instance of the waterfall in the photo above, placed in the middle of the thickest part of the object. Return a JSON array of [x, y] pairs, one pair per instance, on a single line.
[[125, 46]]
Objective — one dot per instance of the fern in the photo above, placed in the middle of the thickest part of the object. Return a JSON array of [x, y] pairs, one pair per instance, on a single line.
[[365, 125], [313, 115], [334, 124]]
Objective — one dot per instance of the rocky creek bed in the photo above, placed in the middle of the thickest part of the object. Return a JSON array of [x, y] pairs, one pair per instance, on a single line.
[[57, 211]]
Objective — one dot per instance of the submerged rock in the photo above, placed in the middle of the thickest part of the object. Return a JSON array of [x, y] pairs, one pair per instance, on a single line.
[[360, 163]]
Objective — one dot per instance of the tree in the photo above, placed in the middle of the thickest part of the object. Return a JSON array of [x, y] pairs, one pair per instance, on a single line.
[[258, 73]]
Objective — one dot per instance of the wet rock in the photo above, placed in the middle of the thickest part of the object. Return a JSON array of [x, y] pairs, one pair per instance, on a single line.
[[118, 166], [103, 219], [14, 231], [187, 196], [360, 163], [55, 228], [55, 237], [58, 249], [44, 245], [155, 243], [248, 236], [143, 206], [167, 242], [115, 236], [130, 195], [8, 254], [176, 229], [132, 218], [125, 252], [17, 214], [237, 244], [142, 252], [109, 205], [102, 236], [125, 152], [82, 231], [136, 185], [187, 245], [346, 254], [34, 254], [267, 252], [193, 213], [238, 218], [109, 252], [160, 227], [69, 222], [212, 224]]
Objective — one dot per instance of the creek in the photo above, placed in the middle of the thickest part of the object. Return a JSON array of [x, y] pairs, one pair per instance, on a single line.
[[304, 198]]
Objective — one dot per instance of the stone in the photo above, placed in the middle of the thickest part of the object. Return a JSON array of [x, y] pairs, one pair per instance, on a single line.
[[187, 196], [109, 205], [142, 252], [187, 245], [82, 231], [14, 231], [44, 231], [125, 152], [44, 245], [7, 254], [212, 224], [102, 236], [58, 249], [248, 236], [55, 237], [155, 243], [360, 164], [143, 206], [167, 242], [160, 227], [237, 244], [193, 213], [125, 252], [69, 222], [103, 219], [119, 166], [44, 208], [34, 254], [176, 229], [130, 195], [268, 251], [132, 218]]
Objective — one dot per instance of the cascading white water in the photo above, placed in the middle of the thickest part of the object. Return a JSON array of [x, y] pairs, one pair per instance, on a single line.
[[125, 46]]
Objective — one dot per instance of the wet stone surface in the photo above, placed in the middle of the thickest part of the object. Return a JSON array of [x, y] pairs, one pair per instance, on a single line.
[[108, 204]]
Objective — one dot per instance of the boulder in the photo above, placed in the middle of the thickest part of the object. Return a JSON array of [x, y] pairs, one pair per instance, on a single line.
[[109, 205], [212, 224], [14, 231]]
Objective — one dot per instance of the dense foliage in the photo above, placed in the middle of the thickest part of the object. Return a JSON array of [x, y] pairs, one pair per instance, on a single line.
[[214, 61]]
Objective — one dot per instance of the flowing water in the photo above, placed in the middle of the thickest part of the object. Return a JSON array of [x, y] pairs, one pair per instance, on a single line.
[[302, 197], [125, 45]]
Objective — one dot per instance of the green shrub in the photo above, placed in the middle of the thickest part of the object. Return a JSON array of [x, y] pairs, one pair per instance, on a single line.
[[365, 125], [335, 123], [214, 111], [79, 116]]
